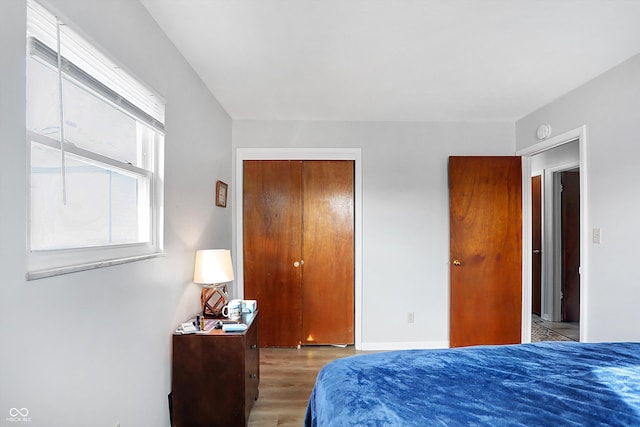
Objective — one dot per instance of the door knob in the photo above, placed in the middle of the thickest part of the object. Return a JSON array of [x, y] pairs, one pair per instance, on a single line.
[[457, 262], [296, 264]]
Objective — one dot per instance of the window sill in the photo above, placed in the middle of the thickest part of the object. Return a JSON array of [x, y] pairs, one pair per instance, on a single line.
[[58, 271]]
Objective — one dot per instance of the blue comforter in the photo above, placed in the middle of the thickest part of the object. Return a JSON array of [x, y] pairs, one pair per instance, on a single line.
[[542, 384]]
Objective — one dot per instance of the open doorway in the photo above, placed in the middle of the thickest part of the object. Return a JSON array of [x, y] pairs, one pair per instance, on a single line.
[[555, 297], [554, 243]]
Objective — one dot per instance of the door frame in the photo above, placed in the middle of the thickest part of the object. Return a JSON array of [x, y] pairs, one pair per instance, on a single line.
[[579, 134], [354, 154]]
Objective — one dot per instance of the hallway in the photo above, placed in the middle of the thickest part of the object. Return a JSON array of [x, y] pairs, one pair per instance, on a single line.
[[542, 330]]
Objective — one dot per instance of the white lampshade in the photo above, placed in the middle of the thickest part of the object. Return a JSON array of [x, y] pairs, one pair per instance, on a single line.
[[213, 266]]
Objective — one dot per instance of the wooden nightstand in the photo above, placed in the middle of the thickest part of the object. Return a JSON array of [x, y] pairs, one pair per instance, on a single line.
[[215, 376]]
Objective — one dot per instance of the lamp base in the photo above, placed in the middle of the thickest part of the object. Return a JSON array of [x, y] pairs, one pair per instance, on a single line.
[[213, 298]]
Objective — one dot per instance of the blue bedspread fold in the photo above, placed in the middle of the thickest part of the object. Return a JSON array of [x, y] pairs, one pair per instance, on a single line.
[[541, 384]]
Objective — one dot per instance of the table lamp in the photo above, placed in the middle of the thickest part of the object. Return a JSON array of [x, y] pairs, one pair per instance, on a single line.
[[213, 269]]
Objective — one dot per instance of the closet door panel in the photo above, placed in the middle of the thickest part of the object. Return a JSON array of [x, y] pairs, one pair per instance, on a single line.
[[328, 252], [272, 244]]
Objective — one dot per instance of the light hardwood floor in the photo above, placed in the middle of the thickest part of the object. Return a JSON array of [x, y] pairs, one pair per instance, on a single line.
[[286, 379]]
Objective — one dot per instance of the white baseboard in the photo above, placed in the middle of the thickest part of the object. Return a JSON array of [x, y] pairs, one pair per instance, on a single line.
[[411, 345]]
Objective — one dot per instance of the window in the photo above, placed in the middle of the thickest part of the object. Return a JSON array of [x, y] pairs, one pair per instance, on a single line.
[[95, 140]]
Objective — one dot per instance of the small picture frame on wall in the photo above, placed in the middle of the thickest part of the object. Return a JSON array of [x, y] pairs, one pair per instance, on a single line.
[[221, 194]]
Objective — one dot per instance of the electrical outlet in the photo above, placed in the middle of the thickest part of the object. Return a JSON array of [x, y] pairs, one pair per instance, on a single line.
[[410, 317], [597, 235]]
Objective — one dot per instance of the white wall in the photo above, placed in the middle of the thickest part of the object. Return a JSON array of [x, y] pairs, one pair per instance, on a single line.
[[609, 106], [405, 213], [93, 348]]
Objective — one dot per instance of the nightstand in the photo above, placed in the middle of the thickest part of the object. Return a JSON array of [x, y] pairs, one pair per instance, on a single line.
[[215, 376]]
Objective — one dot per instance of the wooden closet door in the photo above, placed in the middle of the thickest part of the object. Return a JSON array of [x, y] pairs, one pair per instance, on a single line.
[[328, 252], [272, 244]]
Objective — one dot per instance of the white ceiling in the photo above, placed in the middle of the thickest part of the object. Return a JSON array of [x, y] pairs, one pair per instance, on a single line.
[[397, 60]]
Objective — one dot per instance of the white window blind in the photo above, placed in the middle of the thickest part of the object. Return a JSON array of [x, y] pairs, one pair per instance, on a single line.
[[95, 140], [87, 64]]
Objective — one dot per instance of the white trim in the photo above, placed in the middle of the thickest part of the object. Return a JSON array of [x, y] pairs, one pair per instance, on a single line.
[[51, 272], [409, 345], [554, 142], [354, 154], [579, 134], [87, 156]]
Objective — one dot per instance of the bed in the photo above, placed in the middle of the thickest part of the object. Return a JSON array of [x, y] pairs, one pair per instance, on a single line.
[[541, 384]]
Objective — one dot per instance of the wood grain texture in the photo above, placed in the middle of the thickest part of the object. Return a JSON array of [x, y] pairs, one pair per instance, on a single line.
[[485, 195], [570, 218], [215, 376], [287, 377], [272, 243], [300, 211], [328, 252]]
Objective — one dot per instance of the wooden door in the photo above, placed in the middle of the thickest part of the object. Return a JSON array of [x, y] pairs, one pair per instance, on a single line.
[[485, 196], [298, 250], [272, 244], [328, 252], [570, 224], [536, 244]]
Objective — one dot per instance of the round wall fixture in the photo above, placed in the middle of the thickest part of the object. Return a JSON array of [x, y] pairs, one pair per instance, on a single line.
[[543, 131]]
